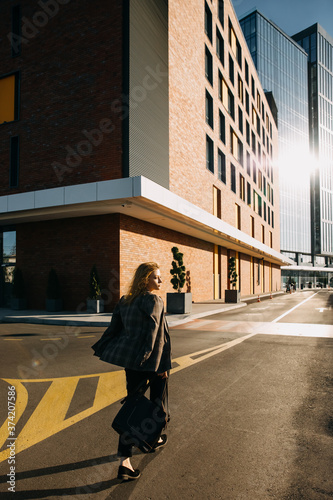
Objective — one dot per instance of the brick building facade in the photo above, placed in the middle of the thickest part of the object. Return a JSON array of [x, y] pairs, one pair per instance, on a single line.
[[130, 128]]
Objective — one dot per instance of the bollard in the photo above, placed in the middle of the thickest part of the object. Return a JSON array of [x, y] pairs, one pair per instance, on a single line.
[[258, 300]]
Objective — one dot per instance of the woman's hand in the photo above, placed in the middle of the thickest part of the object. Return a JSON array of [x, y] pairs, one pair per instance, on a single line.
[[163, 375]]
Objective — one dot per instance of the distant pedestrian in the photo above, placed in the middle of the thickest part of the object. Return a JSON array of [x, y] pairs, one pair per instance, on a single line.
[[138, 340]]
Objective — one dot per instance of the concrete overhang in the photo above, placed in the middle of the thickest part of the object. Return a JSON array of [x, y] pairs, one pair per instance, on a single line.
[[137, 197], [309, 269]]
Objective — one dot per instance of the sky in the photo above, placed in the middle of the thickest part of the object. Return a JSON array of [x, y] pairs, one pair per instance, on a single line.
[[291, 16]]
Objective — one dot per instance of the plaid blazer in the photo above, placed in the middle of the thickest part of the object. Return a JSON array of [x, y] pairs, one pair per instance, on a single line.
[[138, 336]]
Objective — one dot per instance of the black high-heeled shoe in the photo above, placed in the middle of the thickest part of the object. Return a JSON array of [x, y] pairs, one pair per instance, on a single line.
[[127, 474]]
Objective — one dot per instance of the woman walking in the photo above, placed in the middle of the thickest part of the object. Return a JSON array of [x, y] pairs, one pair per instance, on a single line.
[[138, 340]]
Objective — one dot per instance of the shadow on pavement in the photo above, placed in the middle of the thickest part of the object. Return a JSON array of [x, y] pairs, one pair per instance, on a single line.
[[75, 490]]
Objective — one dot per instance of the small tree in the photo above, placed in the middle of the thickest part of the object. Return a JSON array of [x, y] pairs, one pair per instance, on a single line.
[[95, 288], [18, 290], [232, 272], [178, 270], [53, 290]]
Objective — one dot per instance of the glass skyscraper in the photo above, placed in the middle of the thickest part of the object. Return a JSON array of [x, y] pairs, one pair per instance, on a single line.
[[282, 68], [319, 46]]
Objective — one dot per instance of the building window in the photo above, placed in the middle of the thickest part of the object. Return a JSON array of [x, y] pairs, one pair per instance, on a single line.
[[237, 216], [15, 35], [252, 227], [239, 54], [220, 11], [14, 161], [272, 219], [219, 46], [248, 135], [248, 186], [257, 203], [208, 22], [247, 102], [262, 233], [240, 152], [258, 101], [216, 202], [259, 179], [231, 104], [246, 72], [209, 154], [254, 172], [265, 211], [222, 127], [240, 89], [253, 142], [254, 117], [269, 216], [267, 122], [253, 88], [9, 98], [248, 163], [231, 70], [232, 38], [233, 177], [234, 44], [240, 120], [221, 167], [226, 96], [271, 239], [209, 110], [241, 187], [209, 66], [233, 143]]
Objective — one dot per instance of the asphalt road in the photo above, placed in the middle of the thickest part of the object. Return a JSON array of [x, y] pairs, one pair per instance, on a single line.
[[250, 399]]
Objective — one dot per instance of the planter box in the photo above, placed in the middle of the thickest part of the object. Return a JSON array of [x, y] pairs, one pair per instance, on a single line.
[[232, 296], [18, 304], [53, 305], [95, 305], [179, 303]]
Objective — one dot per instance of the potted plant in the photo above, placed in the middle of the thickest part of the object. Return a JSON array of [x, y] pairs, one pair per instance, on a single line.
[[232, 295], [95, 304], [53, 293], [180, 302], [19, 300]]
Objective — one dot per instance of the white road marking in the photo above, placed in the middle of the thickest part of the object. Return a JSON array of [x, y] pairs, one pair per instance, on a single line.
[[293, 308]]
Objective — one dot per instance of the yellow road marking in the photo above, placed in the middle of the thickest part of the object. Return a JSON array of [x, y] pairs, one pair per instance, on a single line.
[[85, 336], [12, 339], [53, 338], [53, 406]]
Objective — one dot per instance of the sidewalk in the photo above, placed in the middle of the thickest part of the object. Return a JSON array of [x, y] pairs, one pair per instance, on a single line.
[[199, 310]]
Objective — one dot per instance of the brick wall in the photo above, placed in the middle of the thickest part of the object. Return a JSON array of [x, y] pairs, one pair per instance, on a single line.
[[189, 176], [71, 247], [71, 75], [142, 242]]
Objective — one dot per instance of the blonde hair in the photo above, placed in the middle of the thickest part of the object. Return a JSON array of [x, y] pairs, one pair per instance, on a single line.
[[140, 280]]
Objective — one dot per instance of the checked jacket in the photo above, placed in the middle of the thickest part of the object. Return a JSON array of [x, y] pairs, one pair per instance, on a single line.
[[138, 336]]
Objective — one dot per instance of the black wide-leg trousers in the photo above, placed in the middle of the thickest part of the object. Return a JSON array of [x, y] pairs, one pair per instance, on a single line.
[[158, 393]]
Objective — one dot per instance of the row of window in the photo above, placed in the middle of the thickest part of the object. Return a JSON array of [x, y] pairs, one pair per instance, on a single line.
[[225, 94], [250, 196], [236, 145], [236, 148]]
